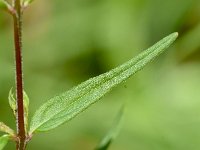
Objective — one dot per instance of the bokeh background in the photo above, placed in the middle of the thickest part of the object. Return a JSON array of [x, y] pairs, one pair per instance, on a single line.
[[69, 41]]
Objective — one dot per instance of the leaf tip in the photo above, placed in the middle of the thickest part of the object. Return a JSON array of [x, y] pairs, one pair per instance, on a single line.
[[176, 34]]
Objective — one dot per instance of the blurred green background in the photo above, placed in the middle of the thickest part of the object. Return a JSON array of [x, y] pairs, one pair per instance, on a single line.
[[69, 41]]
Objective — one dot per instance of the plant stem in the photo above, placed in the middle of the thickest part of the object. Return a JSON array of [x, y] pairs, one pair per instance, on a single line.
[[21, 144]]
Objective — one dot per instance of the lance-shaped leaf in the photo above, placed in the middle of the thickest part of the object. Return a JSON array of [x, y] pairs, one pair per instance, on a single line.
[[4, 128], [66, 106], [112, 134], [3, 141]]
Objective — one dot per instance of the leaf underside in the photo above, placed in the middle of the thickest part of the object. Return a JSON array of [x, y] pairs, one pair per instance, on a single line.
[[64, 107]]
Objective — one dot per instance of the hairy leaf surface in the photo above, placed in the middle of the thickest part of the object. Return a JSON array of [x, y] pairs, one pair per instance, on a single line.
[[66, 106]]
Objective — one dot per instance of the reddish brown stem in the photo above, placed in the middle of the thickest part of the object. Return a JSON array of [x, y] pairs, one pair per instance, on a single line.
[[19, 76]]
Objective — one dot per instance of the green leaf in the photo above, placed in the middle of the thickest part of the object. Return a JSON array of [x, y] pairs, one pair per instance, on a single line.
[[66, 106], [13, 105], [12, 101], [3, 141], [27, 2], [26, 101], [112, 134], [26, 109], [6, 129]]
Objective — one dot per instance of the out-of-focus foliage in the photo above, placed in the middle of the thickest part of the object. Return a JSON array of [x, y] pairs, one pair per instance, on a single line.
[[66, 42], [2, 4], [108, 139]]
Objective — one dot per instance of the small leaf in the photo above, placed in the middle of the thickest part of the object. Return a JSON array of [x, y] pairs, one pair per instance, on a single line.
[[112, 134], [13, 105], [12, 101], [26, 109], [3, 141], [26, 101], [66, 106], [27, 2], [6, 129]]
